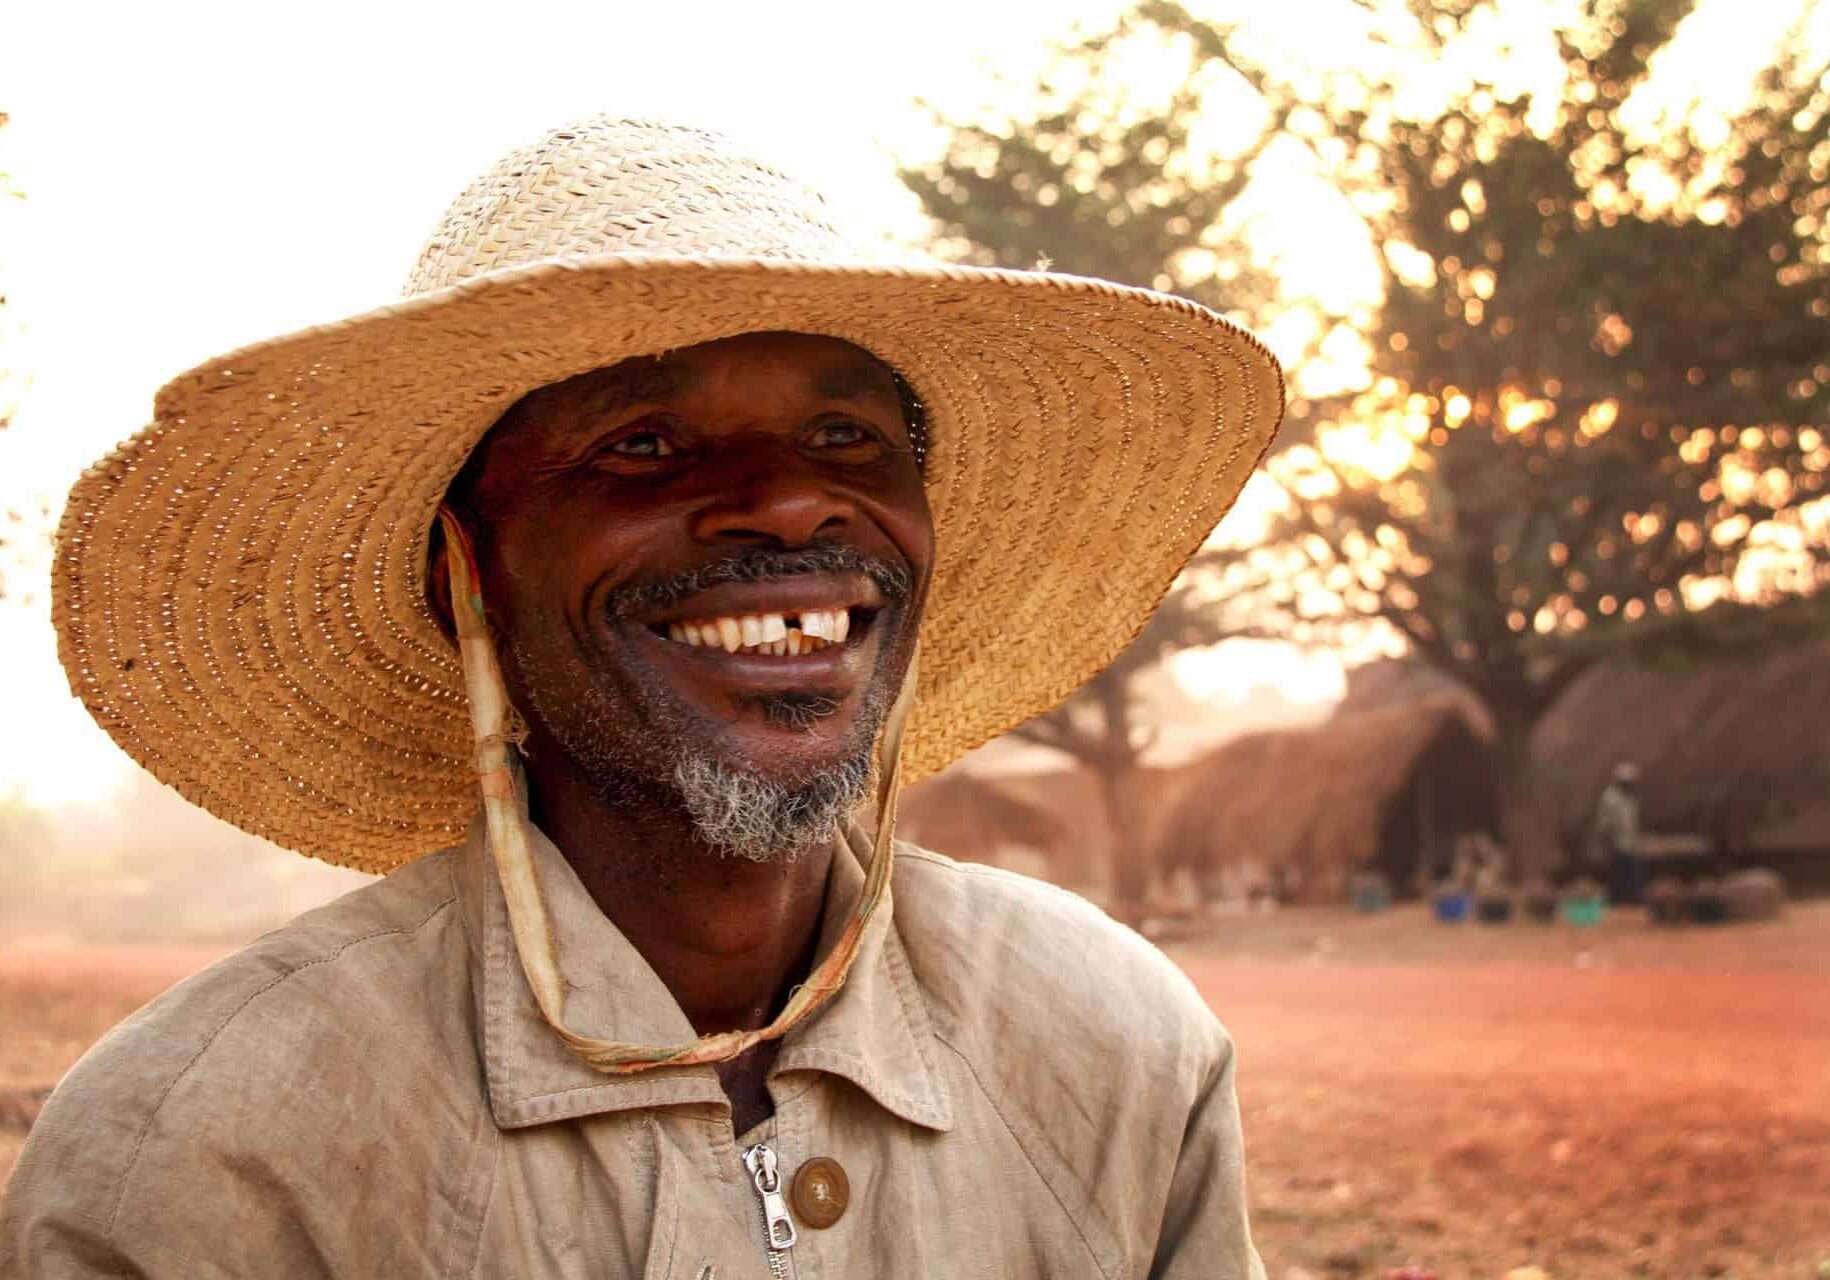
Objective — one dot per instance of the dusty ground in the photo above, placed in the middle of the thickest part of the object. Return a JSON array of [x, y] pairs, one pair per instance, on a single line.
[[1618, 1102]]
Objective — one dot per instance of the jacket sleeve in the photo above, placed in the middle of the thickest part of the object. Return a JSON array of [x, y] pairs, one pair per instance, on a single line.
[[55, 1221], [92, 1197], [43, 1240], [1205, 1229]]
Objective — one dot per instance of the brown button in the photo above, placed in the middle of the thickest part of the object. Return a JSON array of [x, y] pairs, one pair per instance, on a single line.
[[820, 1192]]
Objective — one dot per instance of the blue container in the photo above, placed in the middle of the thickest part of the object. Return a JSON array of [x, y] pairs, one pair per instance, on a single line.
[[1453, 908]]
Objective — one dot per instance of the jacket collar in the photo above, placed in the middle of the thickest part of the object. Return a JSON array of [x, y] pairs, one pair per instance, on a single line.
[[875, 1032]]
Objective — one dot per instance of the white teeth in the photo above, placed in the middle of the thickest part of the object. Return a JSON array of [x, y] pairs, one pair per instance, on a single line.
[[766, 632], [830, 625]]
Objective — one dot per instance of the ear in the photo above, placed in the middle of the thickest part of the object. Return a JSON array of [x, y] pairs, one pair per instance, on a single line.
[[438, 584]]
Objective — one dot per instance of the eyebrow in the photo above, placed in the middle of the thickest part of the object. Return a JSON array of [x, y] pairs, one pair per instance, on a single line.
[[858, 382], [637, 383]]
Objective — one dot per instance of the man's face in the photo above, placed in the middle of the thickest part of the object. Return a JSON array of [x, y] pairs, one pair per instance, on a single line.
[[706, 570]]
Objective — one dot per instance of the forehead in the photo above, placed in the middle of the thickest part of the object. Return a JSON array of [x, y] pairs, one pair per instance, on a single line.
[[827, 368]]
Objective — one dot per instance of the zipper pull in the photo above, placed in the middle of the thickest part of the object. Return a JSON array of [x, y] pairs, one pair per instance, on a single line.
[[778, 1227]]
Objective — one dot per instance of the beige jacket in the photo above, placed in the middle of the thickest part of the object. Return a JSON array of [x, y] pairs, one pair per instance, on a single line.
[[1012, 1084]]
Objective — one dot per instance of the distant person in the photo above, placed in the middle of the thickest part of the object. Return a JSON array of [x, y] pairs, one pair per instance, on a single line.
[[1614, 835], [1480, 863], [581, 593]]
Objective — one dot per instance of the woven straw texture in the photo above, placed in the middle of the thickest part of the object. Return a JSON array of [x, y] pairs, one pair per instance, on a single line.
[[238, 589]]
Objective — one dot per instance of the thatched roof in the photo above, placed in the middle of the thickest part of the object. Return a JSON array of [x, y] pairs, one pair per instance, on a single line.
[[1402, 682], [1737, 750], [964, 815], [1058, 815], [1317, 798]]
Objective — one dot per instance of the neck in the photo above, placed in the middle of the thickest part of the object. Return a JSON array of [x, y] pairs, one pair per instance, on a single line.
[[727, 936]]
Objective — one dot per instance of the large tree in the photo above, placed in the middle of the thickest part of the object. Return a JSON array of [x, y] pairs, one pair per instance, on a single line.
[[1105, 184], [1593, 417]]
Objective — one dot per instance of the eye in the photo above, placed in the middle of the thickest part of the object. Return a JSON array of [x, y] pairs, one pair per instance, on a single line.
[[642, 444], [843, 433], [651, 445]]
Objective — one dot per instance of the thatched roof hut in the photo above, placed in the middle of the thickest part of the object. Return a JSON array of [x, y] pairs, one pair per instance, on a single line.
[[1051, 823], [1302, 809], [996, 819], [1404, 682], [1736, 751]]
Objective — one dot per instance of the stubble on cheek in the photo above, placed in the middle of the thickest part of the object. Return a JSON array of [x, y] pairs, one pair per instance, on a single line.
[[638, 742], [621, 735]]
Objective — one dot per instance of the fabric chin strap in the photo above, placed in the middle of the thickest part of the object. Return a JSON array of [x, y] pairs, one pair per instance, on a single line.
[[493, 724]]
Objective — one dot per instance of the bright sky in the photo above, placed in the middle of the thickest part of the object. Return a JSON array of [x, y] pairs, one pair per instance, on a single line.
[[201, 175]]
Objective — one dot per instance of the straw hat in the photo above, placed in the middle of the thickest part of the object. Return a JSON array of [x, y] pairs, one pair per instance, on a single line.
[[238, 588]]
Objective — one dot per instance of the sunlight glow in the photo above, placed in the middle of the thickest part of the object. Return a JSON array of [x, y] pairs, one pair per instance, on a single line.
[[245, 196]]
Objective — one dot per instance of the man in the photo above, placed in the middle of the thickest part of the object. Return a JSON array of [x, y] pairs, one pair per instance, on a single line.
[[1614, 835], [688, 489]]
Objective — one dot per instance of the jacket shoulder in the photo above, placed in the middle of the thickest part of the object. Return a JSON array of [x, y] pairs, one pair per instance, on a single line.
[[1094, 1050], [1010, 962], [240, 1101]]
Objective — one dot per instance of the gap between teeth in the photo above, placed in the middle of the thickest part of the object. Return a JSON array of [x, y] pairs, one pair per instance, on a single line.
[[766, 632]]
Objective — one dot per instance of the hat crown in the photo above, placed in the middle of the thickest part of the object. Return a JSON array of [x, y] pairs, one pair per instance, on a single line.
[[610, 186]]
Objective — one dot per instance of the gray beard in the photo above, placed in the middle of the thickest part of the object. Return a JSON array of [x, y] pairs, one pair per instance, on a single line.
[[743, 816], [736, 814]]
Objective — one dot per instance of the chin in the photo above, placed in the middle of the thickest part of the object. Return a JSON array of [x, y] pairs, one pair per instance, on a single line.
[[770, 815], [784, 753]]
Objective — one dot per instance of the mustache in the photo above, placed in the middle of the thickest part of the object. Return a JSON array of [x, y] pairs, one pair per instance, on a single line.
[[759, 564]]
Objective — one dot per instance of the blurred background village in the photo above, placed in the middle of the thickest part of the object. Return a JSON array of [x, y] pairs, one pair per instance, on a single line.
[[1512, 666]]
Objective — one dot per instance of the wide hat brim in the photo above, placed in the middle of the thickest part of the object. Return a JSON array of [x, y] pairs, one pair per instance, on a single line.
[[238, 589]]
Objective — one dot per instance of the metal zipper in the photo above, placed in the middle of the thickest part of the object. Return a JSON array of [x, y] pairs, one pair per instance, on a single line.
[[778, 1228]]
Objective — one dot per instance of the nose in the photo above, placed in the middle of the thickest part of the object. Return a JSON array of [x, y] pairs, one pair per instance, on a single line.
[[773, 497]]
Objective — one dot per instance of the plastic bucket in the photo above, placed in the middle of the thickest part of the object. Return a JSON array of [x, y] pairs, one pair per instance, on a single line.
[[1495, 910], [1584, 912], [1452, 908]]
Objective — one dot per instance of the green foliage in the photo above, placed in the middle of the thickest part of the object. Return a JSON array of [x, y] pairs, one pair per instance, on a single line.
[[1594, 420], [1606, 353], [1600, 358], [1098, 184]]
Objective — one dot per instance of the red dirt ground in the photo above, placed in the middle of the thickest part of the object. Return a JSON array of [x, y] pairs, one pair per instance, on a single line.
[[1621, 1102]]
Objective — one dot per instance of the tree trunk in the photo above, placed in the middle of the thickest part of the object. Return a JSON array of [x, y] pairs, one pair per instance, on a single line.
[[1131, 859], [1096, 731], [1527, 828]]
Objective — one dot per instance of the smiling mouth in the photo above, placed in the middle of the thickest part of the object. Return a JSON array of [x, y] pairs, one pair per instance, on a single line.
[[787, 634]]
